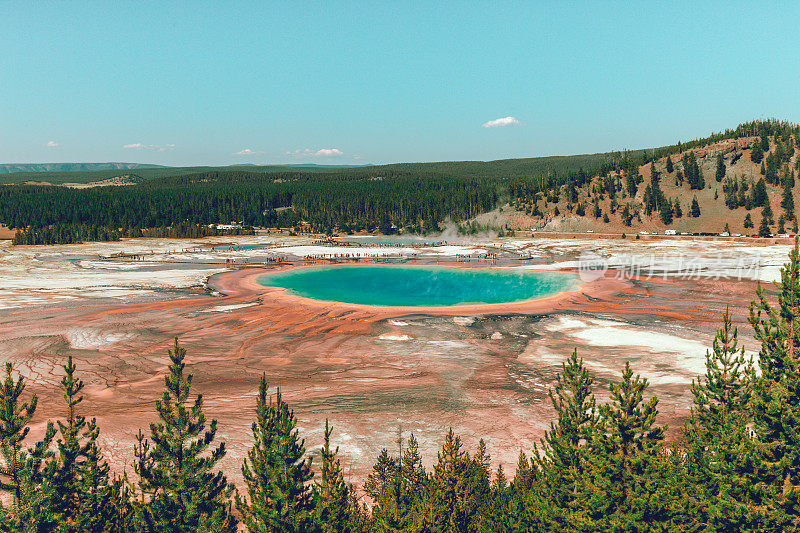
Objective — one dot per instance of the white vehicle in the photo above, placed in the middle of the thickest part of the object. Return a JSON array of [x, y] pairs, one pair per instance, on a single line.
[[670, 232], [724, 234], [644, 232]]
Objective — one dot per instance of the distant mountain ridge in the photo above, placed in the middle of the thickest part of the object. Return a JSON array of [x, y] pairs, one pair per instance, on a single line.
[[8, 168]]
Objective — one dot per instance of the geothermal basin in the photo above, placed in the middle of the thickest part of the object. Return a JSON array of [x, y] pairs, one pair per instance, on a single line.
[[401, 362]]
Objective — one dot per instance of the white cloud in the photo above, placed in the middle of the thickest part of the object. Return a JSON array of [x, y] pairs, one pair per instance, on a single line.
[[51, 144], [328, 152], [156, 147], [499, 122], [248, 151], [322, 152]]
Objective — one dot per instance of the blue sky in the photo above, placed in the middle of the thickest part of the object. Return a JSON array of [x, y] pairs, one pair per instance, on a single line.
[[372, 82]]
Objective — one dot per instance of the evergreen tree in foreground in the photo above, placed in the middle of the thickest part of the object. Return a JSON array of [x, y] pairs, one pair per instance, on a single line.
[[23, 474], [276, 471], [331, 493], [628, 465], [776, 400], [86, 499], [718, 444], [182, 491], [566, 446], [398, 507], [458, 491]]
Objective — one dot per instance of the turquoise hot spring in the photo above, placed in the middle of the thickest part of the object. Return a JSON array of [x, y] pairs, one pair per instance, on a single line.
[[419, 286]]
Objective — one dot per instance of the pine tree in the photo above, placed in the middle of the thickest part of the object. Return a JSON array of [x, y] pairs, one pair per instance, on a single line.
[[776, 400], [400, 506], [763, 229], [649, 200], [566, 446], [525, 476], [693, 173], [383, 474], [666, 212], [718, 444], [72, 446], [756, 153], [625, 473], [331, 494], [23, 474], [759, 194], [695, 207], [767, 214], [411, 468], [104, 503], [787, 202], [720, 173], [458, 492], [631, 184], [501, 513], [276, 471], [655, 177], [81, 479], [175, 472], [670, 166]]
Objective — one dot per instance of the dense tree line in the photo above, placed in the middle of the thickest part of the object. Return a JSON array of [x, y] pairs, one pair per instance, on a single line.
[[600, 467], [326, 202]]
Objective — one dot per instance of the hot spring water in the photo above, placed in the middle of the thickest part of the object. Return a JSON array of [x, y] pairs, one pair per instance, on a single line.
[[419, 286]]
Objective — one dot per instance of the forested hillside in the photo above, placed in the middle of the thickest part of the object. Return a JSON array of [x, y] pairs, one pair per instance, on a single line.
[[713, 184], [741, 183], [600, 467]]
